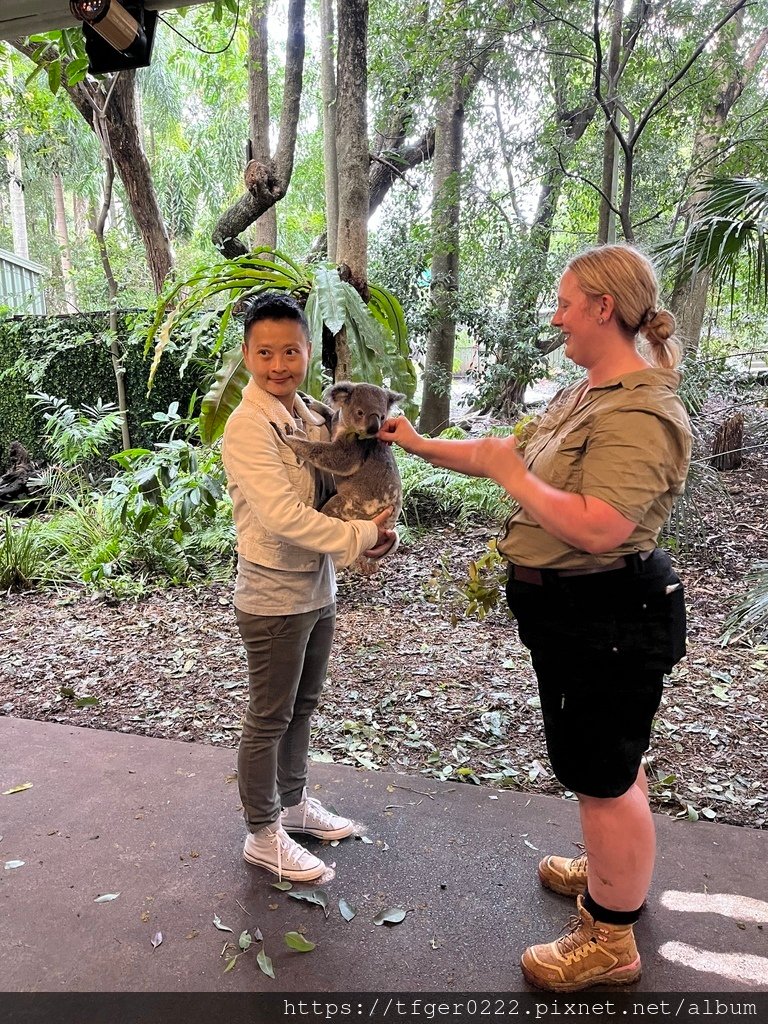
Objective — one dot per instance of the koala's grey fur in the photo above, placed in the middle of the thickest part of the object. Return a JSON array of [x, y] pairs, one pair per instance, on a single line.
[[364, 469]]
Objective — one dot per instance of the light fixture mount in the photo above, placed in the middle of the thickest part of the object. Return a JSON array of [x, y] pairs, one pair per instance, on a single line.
[[118, 36]]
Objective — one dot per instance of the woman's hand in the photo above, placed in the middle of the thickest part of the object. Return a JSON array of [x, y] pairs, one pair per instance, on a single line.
[[496, 458], [399, 430]]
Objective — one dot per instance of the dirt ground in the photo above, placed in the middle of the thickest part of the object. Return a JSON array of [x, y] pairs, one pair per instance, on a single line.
[[414, 686]]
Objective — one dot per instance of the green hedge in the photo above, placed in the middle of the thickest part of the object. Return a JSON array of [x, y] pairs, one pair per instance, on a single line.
[[68, 357]]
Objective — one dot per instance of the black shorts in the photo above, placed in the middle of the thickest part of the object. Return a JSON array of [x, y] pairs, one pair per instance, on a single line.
[[600, 645]]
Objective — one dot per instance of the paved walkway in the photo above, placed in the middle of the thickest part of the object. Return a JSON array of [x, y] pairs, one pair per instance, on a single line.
[[157, 821]]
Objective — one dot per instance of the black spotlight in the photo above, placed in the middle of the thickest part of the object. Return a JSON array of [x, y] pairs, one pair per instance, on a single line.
[[118, 36]]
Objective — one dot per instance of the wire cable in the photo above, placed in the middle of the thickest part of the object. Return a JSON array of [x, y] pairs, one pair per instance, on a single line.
[[194, 44]]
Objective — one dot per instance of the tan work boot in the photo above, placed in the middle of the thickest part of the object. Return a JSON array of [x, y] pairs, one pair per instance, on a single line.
[[590, 953], [565, 875]]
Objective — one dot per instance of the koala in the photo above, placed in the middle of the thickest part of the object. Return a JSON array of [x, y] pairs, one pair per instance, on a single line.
[[364, 468]]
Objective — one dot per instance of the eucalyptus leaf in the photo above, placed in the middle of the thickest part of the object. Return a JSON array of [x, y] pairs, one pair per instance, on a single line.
[[265, 963], [11, 864], [282, 886], [295, 940], [157, 938], [245, 940], [107, 897], [317, 896], [86, 702], [219, 925], [393, 916], [231, 965], [18, 789], [346, 910]]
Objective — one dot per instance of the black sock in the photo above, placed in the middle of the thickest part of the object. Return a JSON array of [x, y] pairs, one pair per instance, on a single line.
[[610, 916]]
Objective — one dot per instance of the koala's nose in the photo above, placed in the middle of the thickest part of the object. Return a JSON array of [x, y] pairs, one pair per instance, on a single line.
[[374, 425]]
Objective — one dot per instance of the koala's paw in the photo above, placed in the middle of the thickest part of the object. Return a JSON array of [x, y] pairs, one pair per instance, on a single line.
[[282, 432]]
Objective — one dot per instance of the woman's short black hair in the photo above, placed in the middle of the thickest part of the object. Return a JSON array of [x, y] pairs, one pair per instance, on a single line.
[[273, 306]]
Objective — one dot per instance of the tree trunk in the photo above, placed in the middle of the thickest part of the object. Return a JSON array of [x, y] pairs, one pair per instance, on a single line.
[[133, 168], [606, 231], [446, 211], [353, 158], [80, 214], [689, 298], [98, 225], [18, 210], [524, 299], [728, 443], [327, 39], [18, 206], [62, 237], [267, 180], [265, 228], [14, 482]]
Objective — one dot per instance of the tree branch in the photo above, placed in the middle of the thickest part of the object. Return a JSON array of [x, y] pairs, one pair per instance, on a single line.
[[268, 183]]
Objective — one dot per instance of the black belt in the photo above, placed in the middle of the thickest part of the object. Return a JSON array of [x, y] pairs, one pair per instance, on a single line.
[[525, 574]]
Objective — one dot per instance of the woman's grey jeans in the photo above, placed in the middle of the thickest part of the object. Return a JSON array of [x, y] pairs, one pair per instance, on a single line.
[[287, 665]]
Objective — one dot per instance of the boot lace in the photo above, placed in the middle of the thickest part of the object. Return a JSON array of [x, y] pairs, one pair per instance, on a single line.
[[579, 865], [573, 937]]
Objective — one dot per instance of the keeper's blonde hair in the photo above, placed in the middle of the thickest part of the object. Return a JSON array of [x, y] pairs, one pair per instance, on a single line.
[[628, 276]]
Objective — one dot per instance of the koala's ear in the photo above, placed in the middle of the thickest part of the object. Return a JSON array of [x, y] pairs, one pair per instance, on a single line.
[[339, 393], [393, 397]]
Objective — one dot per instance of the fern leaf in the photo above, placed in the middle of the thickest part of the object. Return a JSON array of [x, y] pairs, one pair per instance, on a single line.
[[223, 396], [330, 297]]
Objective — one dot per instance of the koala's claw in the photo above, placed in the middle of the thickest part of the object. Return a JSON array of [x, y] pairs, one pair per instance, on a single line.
[[282, 432]]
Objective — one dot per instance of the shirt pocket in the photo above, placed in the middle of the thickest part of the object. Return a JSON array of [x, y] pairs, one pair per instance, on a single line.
[[560, 461]]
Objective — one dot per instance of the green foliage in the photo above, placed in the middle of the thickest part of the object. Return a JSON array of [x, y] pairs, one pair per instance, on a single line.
[[163, 518], [75, 436], [24, 559], [480, 592], [177, 485], [69, 357], [485, 588], [727, 235], [686, 528], [210, 297], [749, 618], [436, 496]]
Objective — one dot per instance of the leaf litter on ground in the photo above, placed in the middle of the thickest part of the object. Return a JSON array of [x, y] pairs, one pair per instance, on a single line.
[[373, 689]]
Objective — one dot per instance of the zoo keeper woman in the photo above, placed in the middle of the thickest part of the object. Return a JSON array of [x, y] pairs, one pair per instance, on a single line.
[[596, 602]]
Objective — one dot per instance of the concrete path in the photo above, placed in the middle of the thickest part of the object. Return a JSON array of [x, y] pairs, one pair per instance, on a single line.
[[158, 822]]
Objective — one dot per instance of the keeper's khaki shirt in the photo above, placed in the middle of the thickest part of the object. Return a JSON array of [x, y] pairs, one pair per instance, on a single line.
[[627, 442]]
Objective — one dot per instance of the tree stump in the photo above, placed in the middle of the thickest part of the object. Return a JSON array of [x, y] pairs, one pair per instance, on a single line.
[[728, 443], [14, 482]]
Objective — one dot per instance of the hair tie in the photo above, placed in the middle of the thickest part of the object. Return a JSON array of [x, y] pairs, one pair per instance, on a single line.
[[650, 315]]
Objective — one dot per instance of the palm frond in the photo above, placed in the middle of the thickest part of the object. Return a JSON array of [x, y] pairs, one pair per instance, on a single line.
[[750, 615], [727, 236]]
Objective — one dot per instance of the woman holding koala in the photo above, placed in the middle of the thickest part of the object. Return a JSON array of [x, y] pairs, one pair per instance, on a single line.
[[285, 589], [596, 601]]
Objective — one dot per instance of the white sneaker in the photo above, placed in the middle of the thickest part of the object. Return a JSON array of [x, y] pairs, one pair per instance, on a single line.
[[272, 848], [312, 818]]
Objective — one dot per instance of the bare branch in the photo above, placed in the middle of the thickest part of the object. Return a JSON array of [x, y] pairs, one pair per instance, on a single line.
[[651, 108]]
